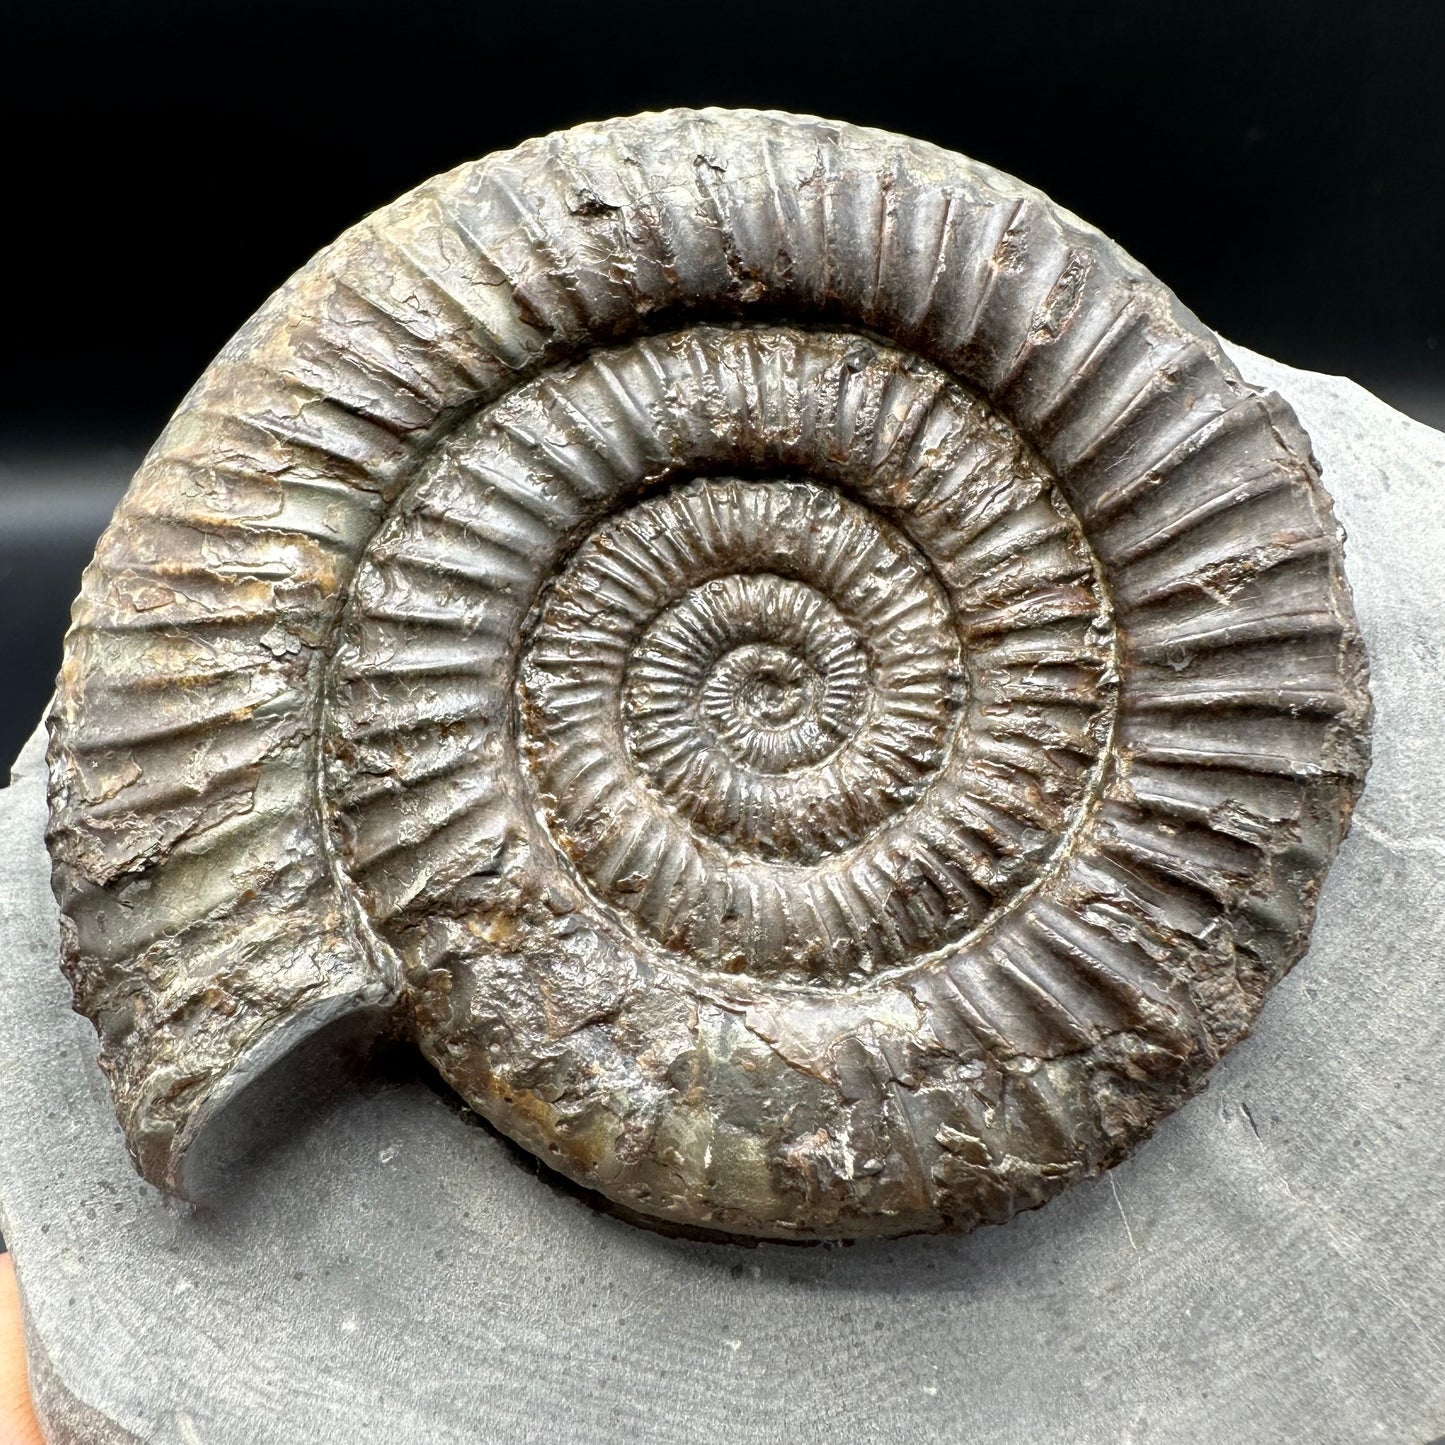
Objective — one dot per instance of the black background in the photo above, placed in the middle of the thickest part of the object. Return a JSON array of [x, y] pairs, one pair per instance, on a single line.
[[1280, 164]]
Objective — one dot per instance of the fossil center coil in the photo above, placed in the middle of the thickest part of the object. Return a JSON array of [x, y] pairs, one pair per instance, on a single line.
[[806, 729]]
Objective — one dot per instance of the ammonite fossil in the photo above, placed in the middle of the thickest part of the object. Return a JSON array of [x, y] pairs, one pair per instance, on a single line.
[[794, 669]]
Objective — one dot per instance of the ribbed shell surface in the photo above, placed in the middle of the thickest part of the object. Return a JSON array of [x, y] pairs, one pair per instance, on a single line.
[[792, 666]]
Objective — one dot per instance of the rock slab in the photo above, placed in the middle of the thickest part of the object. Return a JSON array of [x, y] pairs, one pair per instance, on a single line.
[[371, 1263]]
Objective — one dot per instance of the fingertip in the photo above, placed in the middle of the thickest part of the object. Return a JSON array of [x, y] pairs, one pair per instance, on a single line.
[[17, 1419]]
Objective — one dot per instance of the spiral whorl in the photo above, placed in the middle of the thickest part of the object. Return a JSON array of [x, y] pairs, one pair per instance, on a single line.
[[795, 668]]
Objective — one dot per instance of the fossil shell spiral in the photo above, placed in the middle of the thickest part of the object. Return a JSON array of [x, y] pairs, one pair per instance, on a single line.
[[795, 669]]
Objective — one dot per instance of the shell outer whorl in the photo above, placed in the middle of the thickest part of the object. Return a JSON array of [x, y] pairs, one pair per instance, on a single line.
[[794, 667]]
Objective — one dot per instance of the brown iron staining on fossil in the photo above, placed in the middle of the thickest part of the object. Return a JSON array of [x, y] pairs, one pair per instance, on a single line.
[[799, 669]]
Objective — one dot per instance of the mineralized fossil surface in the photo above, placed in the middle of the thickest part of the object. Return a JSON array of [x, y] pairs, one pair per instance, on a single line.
[[793, 668]]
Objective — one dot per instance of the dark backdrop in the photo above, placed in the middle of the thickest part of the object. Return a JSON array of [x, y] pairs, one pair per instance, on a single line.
[[1279, 163]]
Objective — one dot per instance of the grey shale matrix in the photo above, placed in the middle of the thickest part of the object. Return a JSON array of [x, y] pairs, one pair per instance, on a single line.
[[790, 665]]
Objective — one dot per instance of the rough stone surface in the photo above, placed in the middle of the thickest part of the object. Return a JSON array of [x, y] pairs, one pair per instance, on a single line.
[[796, 670], [371, 1263]]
